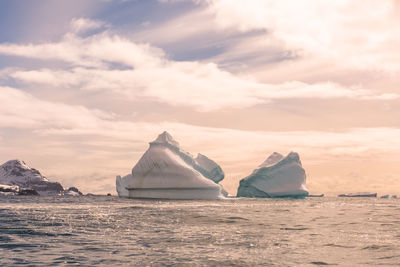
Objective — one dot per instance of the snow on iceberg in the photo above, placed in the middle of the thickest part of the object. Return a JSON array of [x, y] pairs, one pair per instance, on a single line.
[[18, 173], [277, 176], [167, 172]]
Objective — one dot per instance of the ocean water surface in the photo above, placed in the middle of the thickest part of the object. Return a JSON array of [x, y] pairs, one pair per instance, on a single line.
[[112, 231]]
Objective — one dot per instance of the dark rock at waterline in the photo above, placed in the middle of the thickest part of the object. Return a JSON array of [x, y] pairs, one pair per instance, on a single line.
[[28, 192], [72, 191], [16, 190]]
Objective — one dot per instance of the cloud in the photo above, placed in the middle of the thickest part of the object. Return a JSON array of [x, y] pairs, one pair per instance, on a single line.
[[357, 34], [71, 142], [83, 25], [21, 110], [120, 66]]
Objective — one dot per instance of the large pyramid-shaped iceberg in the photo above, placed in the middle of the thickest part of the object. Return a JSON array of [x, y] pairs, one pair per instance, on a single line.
[[278, 176], [166, 171], [17, 173]]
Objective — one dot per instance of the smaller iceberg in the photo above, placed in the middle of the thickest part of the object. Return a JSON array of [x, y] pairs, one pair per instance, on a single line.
[[277, 176], [165, 171], [121, 184]]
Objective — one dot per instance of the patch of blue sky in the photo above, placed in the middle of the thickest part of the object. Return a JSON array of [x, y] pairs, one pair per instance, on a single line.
[[128, 16]]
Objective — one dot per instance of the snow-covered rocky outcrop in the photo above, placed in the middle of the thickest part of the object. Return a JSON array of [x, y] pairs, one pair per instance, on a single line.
[[16, 172], [277, 176], [166, 171]]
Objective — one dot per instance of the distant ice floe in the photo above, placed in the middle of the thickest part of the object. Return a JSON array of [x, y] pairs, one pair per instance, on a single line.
[[316, 195], [165, 171], [359, 194], [388, 196], [277, 176]]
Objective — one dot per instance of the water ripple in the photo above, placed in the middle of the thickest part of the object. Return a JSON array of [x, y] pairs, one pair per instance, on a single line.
[[110, 231]]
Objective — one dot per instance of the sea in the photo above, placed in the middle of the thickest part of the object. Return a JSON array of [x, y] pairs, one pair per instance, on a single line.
[[112, 231]]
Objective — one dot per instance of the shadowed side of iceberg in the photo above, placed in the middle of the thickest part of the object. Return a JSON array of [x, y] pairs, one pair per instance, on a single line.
[[208, 168]]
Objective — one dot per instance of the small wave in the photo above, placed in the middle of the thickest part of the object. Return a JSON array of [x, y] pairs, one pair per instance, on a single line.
[[4, 238], [338, 246], [69, 260], [319, 263], [31, 232], [389, 257], [136, 208], [237, 218], [377, 247], [17, 245], [322, 263], [294, 229]]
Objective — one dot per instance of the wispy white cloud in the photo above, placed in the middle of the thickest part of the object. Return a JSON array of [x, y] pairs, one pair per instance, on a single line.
[[19, 109], [148, 73], [22, 110], [82, 25], [357, 34], [72, 141]]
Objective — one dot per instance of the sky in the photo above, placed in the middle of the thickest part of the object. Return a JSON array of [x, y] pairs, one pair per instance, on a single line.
[[85, 85]]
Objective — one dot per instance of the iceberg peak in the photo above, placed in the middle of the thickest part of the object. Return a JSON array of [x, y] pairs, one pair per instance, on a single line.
[[271, 160], [294, 156], [165, 139]]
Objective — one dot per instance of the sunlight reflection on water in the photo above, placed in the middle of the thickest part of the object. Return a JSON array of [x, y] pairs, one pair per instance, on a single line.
[[246, 232]]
